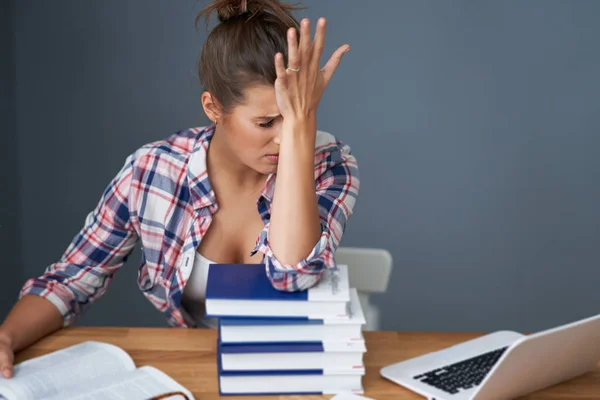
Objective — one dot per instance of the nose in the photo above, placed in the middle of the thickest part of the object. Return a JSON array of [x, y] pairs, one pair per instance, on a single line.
[[277, 137]]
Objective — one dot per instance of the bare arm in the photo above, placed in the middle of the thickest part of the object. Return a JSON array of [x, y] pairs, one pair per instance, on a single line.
[[32, 318], [295, 224], [294, 200]]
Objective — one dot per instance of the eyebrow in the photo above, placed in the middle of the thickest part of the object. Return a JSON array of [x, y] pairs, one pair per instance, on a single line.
[[268, 117]]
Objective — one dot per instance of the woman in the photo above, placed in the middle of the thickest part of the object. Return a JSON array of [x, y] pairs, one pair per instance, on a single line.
[[241, 190]]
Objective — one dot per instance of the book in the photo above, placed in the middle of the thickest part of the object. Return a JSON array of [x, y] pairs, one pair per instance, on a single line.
[[245, 290], [326, 356], [295, 329], [289, 382], [87, 371]]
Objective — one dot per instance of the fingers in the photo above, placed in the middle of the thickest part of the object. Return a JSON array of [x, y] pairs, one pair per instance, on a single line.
[[293, 55], [281, 80], [305, 40], [6, 365], [280, 67], [319, 43], [333, 62]]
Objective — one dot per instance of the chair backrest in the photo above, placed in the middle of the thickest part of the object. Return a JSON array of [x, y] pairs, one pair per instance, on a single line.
[[368, 268]]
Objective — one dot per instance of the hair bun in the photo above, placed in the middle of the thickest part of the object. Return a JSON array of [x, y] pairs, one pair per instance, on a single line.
[[231, 9]]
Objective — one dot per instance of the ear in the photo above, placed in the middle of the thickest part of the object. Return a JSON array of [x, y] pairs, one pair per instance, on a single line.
[[212, 107]]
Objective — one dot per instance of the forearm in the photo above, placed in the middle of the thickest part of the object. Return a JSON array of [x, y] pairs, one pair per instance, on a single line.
[[295, 226], [32, 318]]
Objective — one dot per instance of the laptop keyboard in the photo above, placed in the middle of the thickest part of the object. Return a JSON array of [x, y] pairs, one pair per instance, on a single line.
[[462, 375]]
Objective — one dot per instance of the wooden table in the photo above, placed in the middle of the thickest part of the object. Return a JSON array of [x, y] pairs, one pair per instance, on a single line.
[[188, 356]]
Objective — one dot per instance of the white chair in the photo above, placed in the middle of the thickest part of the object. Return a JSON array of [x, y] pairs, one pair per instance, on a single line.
[[369, 272]]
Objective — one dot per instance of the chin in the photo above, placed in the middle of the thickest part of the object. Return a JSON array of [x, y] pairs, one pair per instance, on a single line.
[[262, 166], [267, 169], [270, 170]]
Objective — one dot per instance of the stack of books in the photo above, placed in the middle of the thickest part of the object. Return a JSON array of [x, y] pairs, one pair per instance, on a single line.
[[275, 342]]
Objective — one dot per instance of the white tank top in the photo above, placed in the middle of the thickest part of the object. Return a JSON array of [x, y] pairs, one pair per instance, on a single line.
[[194, 293]]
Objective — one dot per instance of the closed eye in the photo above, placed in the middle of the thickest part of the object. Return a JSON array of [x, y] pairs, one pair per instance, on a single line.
[[268, 124]]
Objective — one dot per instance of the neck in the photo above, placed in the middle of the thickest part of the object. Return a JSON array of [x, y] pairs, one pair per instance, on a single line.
[[227, 170]]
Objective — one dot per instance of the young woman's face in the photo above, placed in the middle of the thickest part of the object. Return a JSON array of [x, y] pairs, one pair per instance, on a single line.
[[252, 129]]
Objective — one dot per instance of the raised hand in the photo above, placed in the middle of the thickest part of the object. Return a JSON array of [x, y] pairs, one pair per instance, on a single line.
[[300, 86]]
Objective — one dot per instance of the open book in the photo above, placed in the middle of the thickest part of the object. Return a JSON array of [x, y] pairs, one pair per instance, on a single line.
[[91, 371]]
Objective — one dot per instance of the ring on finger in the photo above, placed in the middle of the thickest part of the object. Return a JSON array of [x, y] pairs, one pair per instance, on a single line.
[[293, 69]]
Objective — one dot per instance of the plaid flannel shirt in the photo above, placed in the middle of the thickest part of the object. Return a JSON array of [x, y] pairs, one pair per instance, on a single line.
[[162, 198]]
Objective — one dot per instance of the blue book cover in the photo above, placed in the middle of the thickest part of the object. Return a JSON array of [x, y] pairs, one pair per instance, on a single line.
[[292, 347], [268, 321], [265, 387], [222, 373], [299, 347], [250, 282], [269, 372]]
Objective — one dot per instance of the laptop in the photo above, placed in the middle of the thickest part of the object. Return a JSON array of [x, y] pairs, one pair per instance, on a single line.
[[502, 365]]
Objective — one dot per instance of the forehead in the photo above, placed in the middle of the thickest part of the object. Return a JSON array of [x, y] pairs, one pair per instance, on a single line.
[[260, 100]]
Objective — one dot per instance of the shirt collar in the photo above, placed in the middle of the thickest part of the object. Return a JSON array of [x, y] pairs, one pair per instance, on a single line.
[[202, 194], [269, 188]]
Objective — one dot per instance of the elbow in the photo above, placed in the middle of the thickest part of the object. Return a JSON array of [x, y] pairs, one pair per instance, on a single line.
[[289, 255], [294, 278], [293, 253]]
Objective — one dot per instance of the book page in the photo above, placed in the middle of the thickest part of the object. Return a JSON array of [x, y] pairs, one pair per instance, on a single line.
[[334, 285], [52, 373], [141, 384]]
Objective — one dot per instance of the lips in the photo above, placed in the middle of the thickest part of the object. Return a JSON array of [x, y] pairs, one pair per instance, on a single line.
[[272, 157]]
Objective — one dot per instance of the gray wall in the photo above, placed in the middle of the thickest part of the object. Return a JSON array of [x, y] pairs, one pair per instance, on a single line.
[[475, 125], [9, 226]]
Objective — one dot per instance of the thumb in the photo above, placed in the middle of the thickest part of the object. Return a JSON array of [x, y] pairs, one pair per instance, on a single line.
[[333, 62], [6, 364], [7, 371]]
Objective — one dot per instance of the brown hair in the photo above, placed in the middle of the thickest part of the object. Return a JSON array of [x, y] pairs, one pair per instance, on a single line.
[[240, 50]]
